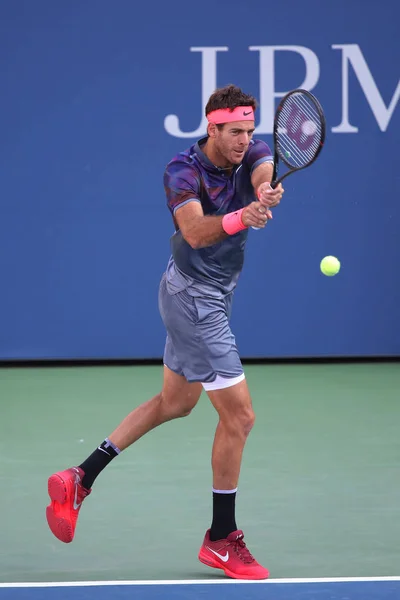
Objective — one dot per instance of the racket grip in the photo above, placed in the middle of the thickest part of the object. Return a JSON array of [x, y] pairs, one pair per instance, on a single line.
[[256, 228]]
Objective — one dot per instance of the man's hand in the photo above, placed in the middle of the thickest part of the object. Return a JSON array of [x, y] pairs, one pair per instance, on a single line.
[[269, 197], [256, 215]]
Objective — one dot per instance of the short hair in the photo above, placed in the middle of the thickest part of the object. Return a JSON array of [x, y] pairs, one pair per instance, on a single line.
[[229, 97]]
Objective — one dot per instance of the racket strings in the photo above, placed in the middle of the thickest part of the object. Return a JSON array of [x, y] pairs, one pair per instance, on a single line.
[[299, 130]]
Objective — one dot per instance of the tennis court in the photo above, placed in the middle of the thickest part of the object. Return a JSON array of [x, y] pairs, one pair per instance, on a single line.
[[318, 500]]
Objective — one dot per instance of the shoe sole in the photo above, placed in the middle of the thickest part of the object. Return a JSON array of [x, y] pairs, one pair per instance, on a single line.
[[210, 562], [59, 526]]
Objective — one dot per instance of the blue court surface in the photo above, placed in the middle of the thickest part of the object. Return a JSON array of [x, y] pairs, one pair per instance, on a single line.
[[380, 588]]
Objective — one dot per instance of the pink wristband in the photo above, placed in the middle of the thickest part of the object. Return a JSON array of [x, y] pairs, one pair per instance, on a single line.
[[232, 222]]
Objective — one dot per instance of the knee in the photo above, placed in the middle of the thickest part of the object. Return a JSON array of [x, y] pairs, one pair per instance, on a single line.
[[247, 420], [174, 408], [183, 411], [186, 412], [241, 422]]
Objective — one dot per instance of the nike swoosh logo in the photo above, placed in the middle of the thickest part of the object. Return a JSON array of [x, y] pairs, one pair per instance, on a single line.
[[75, 503], [105, 451], [247, 113], [223, 558]]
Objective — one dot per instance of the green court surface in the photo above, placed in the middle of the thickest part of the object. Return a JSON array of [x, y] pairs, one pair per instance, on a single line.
[[319, 493]]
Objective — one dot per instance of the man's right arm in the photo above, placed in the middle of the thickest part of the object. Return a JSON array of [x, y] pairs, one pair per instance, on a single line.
[[198, 229], [182, 187], [201, 230]]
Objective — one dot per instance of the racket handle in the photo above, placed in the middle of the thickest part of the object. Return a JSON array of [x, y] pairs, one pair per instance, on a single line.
[[256, 228]]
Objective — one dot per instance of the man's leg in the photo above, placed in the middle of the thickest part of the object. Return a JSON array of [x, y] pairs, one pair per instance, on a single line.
[[176, 399], [67, 489], [236, 418], [223, 546]]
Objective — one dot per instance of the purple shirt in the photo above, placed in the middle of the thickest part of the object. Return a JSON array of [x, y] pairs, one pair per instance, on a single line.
[[190, 176]]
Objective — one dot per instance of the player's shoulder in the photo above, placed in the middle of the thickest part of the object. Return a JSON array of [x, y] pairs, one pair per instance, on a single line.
[[184, 161], [257, 153], [258, 145], [182, 170]]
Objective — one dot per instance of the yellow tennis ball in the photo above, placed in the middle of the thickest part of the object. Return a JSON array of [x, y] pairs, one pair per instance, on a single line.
[[330, 265]]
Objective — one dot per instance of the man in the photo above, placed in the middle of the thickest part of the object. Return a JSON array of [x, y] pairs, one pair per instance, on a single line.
[[215, 191]]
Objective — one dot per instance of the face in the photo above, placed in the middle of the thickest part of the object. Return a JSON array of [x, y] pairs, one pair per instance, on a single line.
[[231, 141]]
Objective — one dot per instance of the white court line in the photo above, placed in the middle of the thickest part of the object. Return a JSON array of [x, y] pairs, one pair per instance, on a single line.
[[41, 584]]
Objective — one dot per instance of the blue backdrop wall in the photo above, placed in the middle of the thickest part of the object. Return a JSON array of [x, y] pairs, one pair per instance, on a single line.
[[97, 96]]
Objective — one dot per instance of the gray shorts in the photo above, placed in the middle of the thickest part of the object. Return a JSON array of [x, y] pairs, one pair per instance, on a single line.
[[200, 344]]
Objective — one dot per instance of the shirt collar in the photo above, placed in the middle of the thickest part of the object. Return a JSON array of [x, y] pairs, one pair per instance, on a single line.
[[206, 162]]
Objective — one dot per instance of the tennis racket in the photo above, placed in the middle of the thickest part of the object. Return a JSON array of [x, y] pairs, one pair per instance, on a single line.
[[299, 133]]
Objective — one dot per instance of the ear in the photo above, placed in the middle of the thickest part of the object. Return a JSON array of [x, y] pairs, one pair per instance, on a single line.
[[212, 130]]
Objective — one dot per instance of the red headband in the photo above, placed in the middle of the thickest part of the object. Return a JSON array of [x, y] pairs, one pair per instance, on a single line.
[[226, 115]]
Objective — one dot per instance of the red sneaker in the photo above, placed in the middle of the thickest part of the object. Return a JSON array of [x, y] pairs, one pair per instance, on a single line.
[[67, 494], [232, 556]]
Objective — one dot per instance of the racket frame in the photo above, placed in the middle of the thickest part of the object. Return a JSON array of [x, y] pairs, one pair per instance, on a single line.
[[280, 157]]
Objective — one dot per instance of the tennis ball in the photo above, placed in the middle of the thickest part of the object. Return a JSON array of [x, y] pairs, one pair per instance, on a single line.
[[330, 266]]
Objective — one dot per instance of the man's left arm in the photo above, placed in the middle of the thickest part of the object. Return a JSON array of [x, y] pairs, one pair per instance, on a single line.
[[260, 180], [260, 163]]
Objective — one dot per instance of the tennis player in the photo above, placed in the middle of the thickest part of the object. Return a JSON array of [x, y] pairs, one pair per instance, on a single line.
[[215, 190]]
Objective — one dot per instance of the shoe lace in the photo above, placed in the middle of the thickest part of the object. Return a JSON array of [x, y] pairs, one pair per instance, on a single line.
[[242, 551]]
